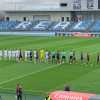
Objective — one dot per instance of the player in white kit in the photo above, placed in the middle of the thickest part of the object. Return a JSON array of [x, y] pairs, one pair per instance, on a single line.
[[46, 56], [35, 56], [5, 54], [13, 54], [17, 55], [1, 54], [9, 54], [25, 55]]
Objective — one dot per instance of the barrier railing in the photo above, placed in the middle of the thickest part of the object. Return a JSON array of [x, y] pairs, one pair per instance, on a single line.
[[11, 95]]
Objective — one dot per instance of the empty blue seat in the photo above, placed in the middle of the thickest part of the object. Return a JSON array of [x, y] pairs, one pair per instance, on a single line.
[[82, 25], [96, 27]]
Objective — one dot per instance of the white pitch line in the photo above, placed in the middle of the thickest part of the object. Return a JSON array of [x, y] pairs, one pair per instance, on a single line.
[[29, 74]]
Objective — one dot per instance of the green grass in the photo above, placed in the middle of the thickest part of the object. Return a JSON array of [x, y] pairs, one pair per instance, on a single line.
[[49, 77]]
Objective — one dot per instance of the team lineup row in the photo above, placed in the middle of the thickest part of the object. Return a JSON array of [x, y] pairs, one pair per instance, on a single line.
[[45, 56]]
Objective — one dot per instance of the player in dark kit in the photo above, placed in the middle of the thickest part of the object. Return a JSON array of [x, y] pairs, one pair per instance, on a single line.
[[66, 88], [49, 56], [37, 56], [58, 57], [63, 56], [19, 92], [20, 55], [71, 57], [98, 58], [88, 58], [30, 55], [82, 57], [53, 57], [74, 57]]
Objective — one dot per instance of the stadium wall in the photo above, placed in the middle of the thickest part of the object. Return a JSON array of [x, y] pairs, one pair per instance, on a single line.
[[52, 15], [43, 15], [91, 15], [51, 5], [53, 11]]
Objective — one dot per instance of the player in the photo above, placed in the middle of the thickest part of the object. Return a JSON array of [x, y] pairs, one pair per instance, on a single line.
[[1, 54], [42, 55], [5, 52], [74, 57], [9, 55], [17, 55], [34, 55], [49, 56], [98, 58], [58, 57], [53, 57], [13, 55], [82, 57], [88, 58], [30, 55], [20, 55], [71, 57], [63, 57], [37, 56], [26, 55], [46, 56]]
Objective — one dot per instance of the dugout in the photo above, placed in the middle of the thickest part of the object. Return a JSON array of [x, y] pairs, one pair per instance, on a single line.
[[69, 95]]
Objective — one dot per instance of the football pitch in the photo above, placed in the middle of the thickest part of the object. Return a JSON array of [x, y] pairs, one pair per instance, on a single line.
[[43, 78]]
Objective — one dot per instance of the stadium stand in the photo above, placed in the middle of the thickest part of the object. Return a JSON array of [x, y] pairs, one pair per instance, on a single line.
[[96, 26], [25, 25], [51, 26], [42, 26], [61, 26], [7, 25], [82, 25]]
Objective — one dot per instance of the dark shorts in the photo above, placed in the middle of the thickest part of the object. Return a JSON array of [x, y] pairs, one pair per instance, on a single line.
[[88, 59], [63, 57], [37, 57], [58, 57], [74, 58], [71, 57], [20, 56], [19, 97], [53, 56], [82, 58], [49, 57], [30, 57]]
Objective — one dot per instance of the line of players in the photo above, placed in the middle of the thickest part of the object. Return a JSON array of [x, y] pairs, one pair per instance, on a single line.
[[41, 56]]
